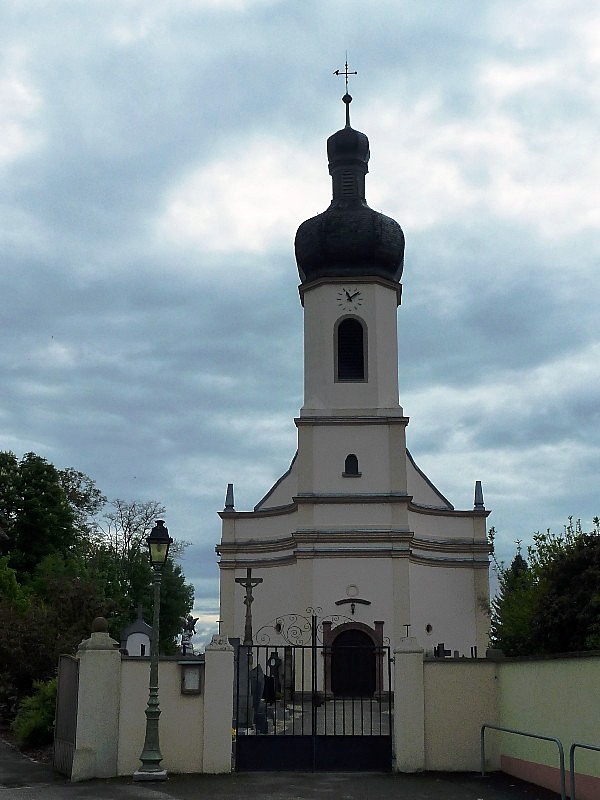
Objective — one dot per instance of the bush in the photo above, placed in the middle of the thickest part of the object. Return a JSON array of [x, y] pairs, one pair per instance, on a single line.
[[34, 723]]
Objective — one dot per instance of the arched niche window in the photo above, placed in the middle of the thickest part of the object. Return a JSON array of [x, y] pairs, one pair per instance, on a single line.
[[351, 467], [350, 349]]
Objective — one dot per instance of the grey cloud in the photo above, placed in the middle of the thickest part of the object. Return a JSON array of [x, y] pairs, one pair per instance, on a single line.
[[163, 357]]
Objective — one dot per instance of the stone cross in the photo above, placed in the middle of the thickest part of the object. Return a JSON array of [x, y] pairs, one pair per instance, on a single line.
[[248, 583]]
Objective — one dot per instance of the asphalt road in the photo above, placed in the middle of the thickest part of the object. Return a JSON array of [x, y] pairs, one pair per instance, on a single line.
[[23, 779]]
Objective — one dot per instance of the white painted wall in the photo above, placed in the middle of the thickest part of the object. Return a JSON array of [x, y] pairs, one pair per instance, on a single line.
[[339, 530], [378, 311], [134, 644], [443, 597]]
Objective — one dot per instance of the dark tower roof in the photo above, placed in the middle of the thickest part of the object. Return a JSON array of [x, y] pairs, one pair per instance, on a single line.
[[349, 239]]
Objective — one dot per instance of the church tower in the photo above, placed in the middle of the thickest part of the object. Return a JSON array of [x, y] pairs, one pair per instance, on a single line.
[[354, 531], [350, 260]]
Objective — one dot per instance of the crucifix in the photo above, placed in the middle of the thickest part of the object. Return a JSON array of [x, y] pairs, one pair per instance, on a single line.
[[248, 583]]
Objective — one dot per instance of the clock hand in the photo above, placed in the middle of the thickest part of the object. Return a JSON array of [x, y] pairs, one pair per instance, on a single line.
[[353, 296], [347, 294]]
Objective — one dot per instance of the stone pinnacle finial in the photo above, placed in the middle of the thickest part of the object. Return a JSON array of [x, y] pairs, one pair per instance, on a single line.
[[479, 505], [229, 505]]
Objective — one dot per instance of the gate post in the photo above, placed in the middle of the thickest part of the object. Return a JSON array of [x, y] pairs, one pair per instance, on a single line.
[[409, 707], [97, 737], [218, 705]]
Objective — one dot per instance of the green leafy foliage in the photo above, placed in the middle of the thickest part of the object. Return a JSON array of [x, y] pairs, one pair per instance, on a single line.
[[11, 592], [37, 517], [550, 603], [85, 499], [65, 558], [121, 556], [567, 616], [176, 601], [513, 608], [34, 723]]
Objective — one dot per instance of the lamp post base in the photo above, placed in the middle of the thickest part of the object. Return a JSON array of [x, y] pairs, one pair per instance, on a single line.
[[150, 775]]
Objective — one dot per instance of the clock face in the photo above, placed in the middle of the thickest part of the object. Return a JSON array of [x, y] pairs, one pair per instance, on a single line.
[[349, 298]]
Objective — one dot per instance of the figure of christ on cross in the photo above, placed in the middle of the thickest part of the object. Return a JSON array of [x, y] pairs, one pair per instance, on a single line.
[[248, 583]]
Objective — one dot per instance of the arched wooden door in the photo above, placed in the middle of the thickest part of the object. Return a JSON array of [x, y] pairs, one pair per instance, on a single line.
[[353, 666]]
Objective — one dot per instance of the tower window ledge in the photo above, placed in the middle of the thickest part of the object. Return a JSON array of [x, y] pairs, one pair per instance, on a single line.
[[351, 474]]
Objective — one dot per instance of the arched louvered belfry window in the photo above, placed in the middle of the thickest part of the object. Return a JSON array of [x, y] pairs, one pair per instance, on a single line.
[[351, 465], [350, 350]]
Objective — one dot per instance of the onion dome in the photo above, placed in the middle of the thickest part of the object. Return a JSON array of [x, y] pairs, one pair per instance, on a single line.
[[349, 239]]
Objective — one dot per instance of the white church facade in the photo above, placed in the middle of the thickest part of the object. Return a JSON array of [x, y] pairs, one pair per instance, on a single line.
[[354, 532]]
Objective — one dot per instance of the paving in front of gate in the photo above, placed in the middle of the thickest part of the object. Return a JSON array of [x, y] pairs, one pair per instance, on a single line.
[[20, 779]]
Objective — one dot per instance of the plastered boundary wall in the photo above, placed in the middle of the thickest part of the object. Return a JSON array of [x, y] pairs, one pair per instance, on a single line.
[[195, 729], [555, 697], [440, 706], [460, 696], [178, 713]]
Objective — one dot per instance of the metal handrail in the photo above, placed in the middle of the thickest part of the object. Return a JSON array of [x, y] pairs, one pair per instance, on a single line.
[[561, 751], [572, 761]]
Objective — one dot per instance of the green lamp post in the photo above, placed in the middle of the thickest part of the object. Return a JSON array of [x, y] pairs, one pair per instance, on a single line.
[[158, 547]]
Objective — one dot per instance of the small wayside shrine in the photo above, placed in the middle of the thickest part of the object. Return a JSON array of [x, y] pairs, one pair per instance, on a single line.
[[354, 533]]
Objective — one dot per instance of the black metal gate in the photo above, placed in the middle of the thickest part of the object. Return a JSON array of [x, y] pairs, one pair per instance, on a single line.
[[314, 707], [66, 714]]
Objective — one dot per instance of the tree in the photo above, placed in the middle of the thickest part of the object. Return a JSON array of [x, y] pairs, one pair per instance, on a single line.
[[567, 616], [62, 564], [37, 517], [176, 601], [85, 499], [9, 476], [551, 602], [513, 608], [11, 592], [121, 556]]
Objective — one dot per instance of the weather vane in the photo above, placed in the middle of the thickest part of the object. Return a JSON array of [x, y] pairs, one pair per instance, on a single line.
[[347, 97], [345, 72]]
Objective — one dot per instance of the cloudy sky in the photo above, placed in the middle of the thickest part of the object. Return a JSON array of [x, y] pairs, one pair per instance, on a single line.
[[155, 161]]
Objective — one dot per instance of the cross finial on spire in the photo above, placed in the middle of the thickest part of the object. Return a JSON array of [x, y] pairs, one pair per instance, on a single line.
[[347, 98]]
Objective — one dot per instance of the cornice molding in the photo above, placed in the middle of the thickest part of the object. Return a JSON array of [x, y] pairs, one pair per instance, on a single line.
[[359, 536], [276, 511], [353, 499], [258, 563], [351, 419], [256, 545], [244, 562], [309, 498], [438, 511], [452, 545], [362, 543]]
